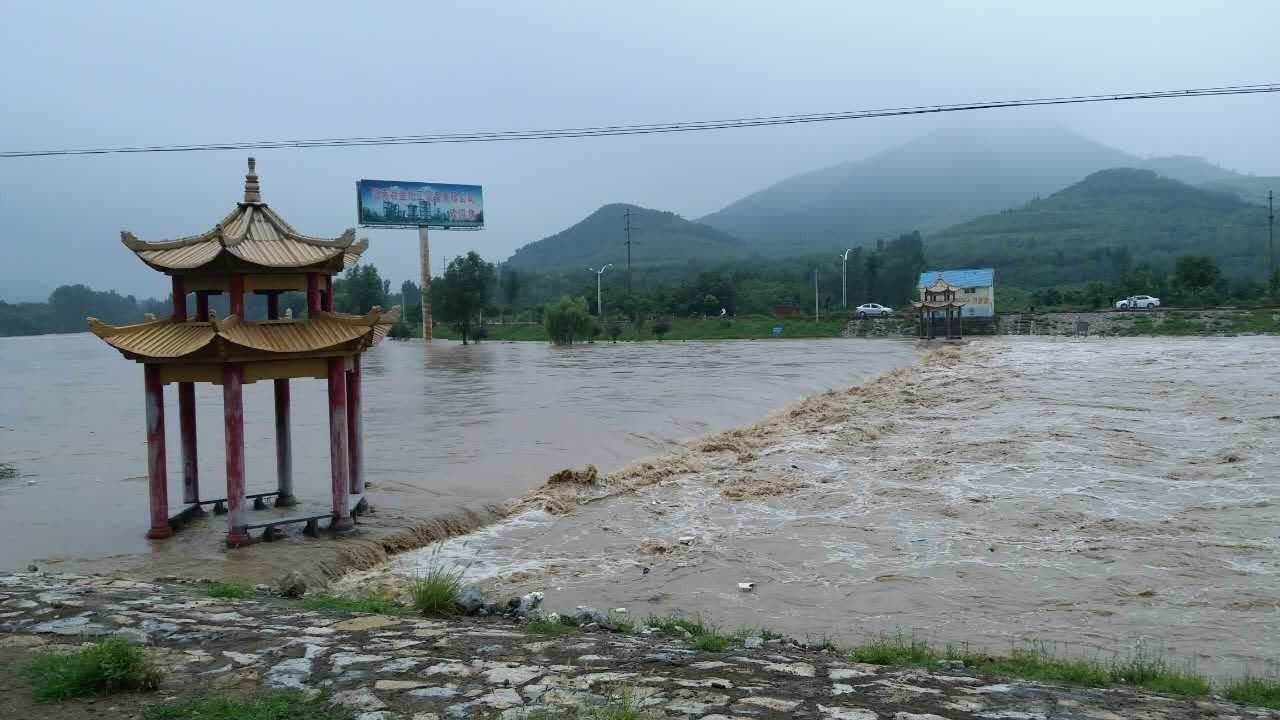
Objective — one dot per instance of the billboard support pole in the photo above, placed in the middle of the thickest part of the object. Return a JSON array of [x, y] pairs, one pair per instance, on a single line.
[[424, 252]]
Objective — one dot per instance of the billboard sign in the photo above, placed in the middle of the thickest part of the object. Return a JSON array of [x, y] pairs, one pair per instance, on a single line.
[[399, 203]]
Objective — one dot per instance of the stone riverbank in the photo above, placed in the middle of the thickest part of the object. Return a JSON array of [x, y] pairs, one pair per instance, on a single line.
[[404, 667]]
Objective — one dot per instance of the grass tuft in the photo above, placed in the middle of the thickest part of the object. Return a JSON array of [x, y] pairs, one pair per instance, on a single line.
[[230, 590], [368, 604], [705, 637], [544, 625], [1254, 690], [111, 665], [8, 471], [268, 706], [895, 650], [436, 591]]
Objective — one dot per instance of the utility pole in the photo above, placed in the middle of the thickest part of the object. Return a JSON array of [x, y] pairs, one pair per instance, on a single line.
[[815, 293], [844, 278], [424, 252], [627, 218], [1271, 243], [599, 307]]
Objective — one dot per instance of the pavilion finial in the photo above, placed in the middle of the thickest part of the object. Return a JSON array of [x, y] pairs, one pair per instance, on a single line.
[[252, 191]]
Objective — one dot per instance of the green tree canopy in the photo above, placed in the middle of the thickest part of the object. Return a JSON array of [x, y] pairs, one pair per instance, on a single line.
[[465, 289], [568, 320]]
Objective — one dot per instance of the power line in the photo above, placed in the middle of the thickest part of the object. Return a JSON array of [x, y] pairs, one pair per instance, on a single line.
[[651, 128]]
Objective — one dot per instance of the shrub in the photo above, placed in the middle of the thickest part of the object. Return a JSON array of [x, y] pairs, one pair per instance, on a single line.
[[111, 665]]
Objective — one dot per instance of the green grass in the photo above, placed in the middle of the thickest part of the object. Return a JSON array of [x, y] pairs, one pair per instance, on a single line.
[[705, 637], [230, 590], [713, 328], [436, 591], [1038, 661], [895, 650], [1255, 690], [368, 605], [543, 625], [111, 665], [268, 706]]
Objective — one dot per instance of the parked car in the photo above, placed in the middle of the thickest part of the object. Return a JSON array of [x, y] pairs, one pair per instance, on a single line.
[[873, 310], [1137, 302]]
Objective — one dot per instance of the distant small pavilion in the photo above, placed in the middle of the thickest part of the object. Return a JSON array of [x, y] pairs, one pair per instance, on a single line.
[[252, 250], [939, 297]]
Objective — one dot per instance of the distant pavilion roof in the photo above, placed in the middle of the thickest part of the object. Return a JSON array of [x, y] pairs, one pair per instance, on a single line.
[[167, 340], [983, 277], [251, 235]]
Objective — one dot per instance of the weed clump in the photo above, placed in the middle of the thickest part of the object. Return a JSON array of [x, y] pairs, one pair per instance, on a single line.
[[268, 706], [230, 590], [111, 665], [1254, 690], [436, 591]]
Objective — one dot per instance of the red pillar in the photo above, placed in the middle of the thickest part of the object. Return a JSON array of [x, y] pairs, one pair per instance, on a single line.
[[235, 302], [327, 306], [313, 294], [187, 429], [179, 299], [355, 428], [338, 462], [233, 423], [157, 476], [284, 443], [202, 306]]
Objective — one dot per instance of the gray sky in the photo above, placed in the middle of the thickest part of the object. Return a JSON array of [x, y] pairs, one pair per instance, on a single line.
[[82, 74]]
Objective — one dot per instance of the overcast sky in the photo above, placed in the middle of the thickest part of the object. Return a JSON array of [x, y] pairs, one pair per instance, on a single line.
[[80, 74]]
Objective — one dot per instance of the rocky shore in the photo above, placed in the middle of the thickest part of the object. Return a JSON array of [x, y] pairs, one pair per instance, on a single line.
[[405, 667]]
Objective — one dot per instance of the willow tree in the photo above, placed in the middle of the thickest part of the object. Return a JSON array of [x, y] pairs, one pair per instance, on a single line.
[[468, 283], [568, 320]]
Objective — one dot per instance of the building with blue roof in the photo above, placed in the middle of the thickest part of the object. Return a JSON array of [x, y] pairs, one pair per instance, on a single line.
[[977, 289]]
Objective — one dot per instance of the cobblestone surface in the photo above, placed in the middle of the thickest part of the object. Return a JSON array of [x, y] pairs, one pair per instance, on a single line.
[[403, 667]]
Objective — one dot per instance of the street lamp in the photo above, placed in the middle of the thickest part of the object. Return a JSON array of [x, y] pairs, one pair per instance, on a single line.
[[599, 307], [844, 278]]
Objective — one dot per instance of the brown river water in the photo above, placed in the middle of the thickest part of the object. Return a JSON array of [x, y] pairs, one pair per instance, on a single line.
[[1106, 496], [447, 427]]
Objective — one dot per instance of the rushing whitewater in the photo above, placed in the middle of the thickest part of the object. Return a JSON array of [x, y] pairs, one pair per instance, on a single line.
[[1095, 493]]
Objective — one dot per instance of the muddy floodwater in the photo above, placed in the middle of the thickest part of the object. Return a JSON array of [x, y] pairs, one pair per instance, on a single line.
[[1097, 493], [446, 427]]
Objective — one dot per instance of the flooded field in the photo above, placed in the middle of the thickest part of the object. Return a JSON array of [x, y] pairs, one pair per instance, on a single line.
[[446, 426], [1096, 493]]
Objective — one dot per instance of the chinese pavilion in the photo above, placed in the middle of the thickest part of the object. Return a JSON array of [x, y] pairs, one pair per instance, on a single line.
[[939, 297], [253, 250]]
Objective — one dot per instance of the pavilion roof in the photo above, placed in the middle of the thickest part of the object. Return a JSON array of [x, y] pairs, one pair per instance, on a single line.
[[920, 305], [167, 340], [251, 234]]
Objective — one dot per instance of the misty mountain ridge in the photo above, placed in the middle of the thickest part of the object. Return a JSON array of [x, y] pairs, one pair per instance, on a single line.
[[928, 184], [659, 238], [1108, 223]]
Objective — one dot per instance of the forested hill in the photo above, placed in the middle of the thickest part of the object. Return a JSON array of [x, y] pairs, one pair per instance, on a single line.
[[1105, 224], [927, 184], [660, 238]]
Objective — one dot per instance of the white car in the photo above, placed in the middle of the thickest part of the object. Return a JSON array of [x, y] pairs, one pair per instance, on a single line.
[[1136, 302], [873, 310]]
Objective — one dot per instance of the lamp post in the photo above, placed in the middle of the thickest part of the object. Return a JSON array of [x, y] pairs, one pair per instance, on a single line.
[[599, 307], [844, 278]]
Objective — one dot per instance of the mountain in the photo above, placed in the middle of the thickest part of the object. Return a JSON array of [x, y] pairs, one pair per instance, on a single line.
[[659, 238], [927, 184], [1105, 224], [1204, 174]]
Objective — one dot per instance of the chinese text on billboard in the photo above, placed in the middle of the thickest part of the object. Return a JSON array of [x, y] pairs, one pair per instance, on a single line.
[[400, 203]]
